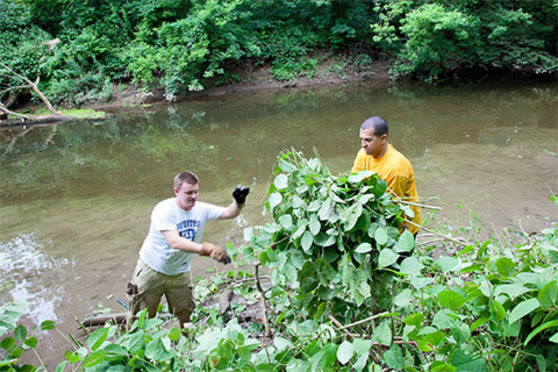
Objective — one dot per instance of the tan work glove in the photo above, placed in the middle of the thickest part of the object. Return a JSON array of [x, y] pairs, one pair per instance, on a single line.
[[217, 253]]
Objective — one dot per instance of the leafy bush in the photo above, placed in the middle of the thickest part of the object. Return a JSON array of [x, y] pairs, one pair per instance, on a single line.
[[444, 40]]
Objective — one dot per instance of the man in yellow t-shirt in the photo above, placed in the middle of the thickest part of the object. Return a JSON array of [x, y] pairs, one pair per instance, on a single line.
[[381, 157]]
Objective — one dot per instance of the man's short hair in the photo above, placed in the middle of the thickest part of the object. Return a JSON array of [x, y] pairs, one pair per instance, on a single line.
[[379, 124], [187, 177]]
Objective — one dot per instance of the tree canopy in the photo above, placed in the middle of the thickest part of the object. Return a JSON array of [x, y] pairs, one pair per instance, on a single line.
[[81, 49]]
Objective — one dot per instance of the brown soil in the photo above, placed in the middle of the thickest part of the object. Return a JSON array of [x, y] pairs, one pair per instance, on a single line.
[[249, 79]]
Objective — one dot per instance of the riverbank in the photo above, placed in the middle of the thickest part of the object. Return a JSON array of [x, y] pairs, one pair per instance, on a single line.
[[248, 79]]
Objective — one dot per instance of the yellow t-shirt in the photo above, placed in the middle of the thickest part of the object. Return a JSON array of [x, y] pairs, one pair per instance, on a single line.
[[398, 173]]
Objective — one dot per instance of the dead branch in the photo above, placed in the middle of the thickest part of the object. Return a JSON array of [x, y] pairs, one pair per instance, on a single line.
[[35, 89], [364, 320], [268, 332], [340, 326], [417, 204], [6, 110], [437, 234]]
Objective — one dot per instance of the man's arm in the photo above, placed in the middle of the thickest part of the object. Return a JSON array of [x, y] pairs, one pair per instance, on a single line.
[[178, 242], [206, 249], [239, 195], [231, 211]]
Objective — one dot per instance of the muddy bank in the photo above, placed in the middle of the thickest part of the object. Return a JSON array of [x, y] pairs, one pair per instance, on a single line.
[[250, 79]]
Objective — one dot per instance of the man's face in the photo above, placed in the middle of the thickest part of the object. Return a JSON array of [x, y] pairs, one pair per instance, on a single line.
[[372, 144], [187, 195]]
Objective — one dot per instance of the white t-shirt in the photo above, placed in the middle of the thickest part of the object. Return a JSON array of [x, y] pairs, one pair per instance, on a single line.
[[167, 215]]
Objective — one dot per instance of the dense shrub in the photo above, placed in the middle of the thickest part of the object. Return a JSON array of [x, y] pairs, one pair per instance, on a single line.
[[186, 45]]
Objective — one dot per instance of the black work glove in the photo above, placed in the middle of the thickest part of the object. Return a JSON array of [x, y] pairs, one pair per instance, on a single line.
[[239, 194]]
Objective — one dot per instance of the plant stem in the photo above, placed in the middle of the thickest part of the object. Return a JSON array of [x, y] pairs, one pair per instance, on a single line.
[[435, 233], [268, 332], [364, 320]]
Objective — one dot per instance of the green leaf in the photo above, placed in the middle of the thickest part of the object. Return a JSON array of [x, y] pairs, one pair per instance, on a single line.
[[31, 342], [382, 334], [414, 319], [524, 308], [421, 282], [406, 242], [541, 363], [285, 166], [281, 181], [498, 310], [467, 249], [512, 290], [403, 298], [20, 333], [7, 343], [306, 241], [96, 339], [48, 325], [364, 248], [325, 211], [387, 257], [94, 358], [175, 334], [542, 327], [381, 236], [450, 299], [286, 221], [274, 200], [465, 362], [411, 266], [477, 323], [434, 338], [315, 225], [394, 357], [361, 362], [446, 263], [438, 366], [345, 352], [505, 267], [362, 346], [554, 338], [547, 295]]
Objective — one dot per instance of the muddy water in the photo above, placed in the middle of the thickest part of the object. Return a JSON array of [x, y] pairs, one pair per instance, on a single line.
[[76, 198]]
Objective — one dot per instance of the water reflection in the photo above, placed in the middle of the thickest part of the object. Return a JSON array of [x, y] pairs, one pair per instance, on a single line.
[[33, 276]]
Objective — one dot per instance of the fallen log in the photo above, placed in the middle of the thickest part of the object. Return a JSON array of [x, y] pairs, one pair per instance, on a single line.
[[47, 119], [117, 318]]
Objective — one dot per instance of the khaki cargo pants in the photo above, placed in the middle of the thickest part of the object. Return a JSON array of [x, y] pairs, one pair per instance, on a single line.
[[148, 287]]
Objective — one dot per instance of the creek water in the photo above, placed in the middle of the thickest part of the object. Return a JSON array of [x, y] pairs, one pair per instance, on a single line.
[[76, 197]]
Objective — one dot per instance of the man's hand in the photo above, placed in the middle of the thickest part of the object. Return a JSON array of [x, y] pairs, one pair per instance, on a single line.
[[239, 194], [217, 253]]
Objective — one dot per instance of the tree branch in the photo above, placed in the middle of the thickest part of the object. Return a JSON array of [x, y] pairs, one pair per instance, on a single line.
[[34, 87], [268, 332]]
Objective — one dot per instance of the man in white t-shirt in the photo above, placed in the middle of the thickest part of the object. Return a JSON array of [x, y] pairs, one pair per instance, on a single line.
[[175, 235]]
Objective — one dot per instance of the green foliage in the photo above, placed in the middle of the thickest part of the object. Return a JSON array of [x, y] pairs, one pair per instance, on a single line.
[[324, 226], [187, 45], [441, 40], [14, 339]]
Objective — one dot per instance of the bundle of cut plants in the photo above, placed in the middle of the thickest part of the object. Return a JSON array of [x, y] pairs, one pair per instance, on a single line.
[[333, 240]]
